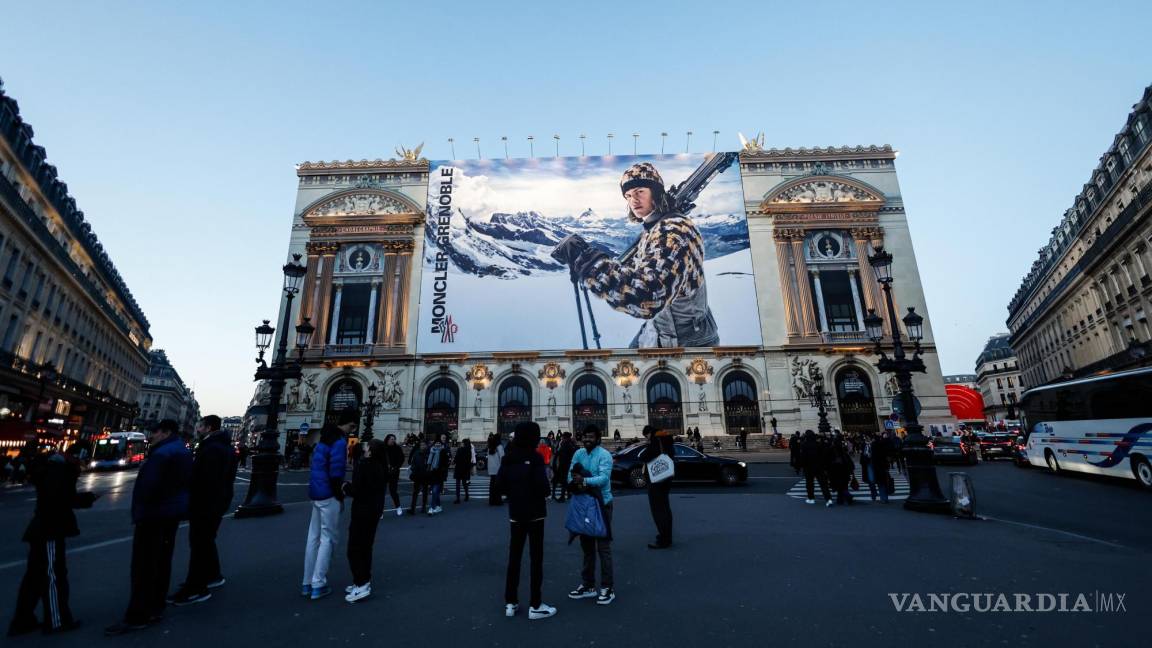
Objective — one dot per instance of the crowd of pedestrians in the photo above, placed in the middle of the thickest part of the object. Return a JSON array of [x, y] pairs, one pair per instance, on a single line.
[[826, 460]]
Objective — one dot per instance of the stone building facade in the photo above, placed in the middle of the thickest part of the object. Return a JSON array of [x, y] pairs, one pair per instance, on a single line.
[[814, 216], [163, 395], [998, 379], [73, 341], [1083, 307]]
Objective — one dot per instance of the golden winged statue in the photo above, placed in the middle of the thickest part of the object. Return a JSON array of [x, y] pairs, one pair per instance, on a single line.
[[409, 155]]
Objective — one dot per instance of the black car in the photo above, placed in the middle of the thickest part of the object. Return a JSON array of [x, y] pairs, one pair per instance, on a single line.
[[952, 450], [691, 466], [993, 446]]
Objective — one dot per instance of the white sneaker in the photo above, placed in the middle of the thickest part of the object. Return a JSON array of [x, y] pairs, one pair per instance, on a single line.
[[348, 590], [811, 501], [400, 512], [358, 593], [510, 609], [829, 503], [542, 612]]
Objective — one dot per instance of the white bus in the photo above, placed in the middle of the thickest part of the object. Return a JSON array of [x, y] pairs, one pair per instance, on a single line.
[[1100, 425], [118, 450]]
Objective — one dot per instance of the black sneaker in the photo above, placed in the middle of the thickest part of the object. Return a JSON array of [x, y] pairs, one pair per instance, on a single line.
[[217, 582], [582, 592], [188, 598], [123, 628], [607, 595]]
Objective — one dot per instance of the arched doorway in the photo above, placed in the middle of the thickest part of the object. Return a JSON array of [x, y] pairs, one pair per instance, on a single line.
[[741, 407], [854, 398], [665, 411], [589, 403], [515, 405], [344, 396], [441, 408]]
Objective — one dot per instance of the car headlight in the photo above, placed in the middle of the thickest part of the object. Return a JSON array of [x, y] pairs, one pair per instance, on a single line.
[[123, 462], [742, 464], [92, 465]]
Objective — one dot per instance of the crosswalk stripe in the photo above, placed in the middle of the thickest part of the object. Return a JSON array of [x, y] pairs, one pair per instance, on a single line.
[[800, 491]]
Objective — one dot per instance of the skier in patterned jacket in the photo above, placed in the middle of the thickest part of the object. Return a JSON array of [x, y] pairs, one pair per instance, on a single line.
[[661, 278]]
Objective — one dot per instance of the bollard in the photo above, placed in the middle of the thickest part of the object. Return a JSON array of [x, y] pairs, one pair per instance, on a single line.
[[962, 495]]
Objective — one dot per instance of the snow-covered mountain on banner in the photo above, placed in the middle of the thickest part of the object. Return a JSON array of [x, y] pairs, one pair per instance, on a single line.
[[519, 244]]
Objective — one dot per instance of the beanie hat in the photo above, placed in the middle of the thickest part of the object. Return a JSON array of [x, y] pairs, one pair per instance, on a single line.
[[527, 435], [642, 174]]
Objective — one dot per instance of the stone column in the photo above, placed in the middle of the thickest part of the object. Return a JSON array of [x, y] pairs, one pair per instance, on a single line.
[[323, 296], [308, 291], [856, 300], [402, 273], [1138, 254], [805, 292], [873, 295], [384, 324], [370, 331], [786, 285], [335, 326], [820, 300]]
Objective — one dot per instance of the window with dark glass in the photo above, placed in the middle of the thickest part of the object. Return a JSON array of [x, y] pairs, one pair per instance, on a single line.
[[353, 324]]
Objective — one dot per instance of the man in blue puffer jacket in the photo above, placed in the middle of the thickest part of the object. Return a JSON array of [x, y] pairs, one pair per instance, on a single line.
[[159, 502], [329, 465]]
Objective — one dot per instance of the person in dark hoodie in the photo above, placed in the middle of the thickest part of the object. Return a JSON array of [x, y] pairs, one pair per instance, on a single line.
[[813, 461], [325, 481], [462, 468], [436, 473], [394, 462], [418, 473], [659, 443], [46, 575], [563, 459], [369, 492], [213, 479], [523, 478], [840, 469], [159, 502]]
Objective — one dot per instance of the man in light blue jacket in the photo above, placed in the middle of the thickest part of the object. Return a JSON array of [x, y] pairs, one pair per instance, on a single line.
[[591, 472], [329, 465]]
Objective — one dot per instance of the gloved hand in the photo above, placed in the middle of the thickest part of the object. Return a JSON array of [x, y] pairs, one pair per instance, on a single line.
[[568, 250]]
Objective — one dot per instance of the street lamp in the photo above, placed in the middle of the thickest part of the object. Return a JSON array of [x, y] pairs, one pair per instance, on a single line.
[[369, 413], [261, 499], [925, 490], [819, 399]]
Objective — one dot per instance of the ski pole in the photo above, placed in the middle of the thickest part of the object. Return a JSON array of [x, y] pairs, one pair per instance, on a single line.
[[591, 316], [579, 309]]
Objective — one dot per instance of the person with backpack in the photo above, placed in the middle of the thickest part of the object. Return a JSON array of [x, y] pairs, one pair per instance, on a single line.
[[394, 462], [325, 482], [369, 492], [418, 473], [591, 471], [524, 480], [462, 470], [659, 443]]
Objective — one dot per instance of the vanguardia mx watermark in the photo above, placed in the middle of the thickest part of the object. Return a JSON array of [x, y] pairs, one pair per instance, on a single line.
[[964, 602]]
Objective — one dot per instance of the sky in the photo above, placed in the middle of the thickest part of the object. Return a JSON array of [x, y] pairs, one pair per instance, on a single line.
[[177, 125]]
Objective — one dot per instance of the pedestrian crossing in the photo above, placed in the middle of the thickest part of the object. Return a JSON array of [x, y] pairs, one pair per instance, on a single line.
[[862, 494]]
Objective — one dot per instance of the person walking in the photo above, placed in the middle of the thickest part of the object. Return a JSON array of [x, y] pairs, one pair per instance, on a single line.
[[840, 469], [462, 468], [659, 443], [325, 481], [564, 454], [437, 474], [394, 463], [524, 480], [369, 492], [882, 450], [812, 461], [495, 456], [160, 499], [213, 479], [418, 473], [591, 471], [46, 572]]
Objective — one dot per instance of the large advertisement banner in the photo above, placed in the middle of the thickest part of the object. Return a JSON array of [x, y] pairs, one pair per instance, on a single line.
[[588, 252]]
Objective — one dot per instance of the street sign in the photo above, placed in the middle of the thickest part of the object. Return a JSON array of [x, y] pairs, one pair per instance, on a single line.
[[898, 405], [304, 427], [889, 425]]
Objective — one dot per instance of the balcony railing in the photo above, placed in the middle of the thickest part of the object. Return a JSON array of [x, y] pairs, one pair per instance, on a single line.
[[347, 350], [845, 337], [36, 371]]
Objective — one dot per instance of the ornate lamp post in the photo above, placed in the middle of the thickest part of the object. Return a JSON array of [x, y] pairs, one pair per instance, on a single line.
[[819, 399], [925, 488], [370, 406], [261, 499]]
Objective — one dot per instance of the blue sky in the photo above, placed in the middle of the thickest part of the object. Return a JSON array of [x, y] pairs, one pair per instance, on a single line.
[[176, 126]]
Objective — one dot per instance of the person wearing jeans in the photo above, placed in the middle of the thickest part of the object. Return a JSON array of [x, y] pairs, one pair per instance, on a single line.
[[524, 480], [591, 471], [329, 464]]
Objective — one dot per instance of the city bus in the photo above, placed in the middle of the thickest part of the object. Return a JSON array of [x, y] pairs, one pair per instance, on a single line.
[[1100, 425], [118, 450]]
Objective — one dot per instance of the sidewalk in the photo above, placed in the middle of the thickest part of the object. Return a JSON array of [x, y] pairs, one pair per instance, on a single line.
[[746, 570]]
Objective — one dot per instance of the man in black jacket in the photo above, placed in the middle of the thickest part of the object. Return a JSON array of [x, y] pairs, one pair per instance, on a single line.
[[524, 480], [46, 576], [213, 476], [659, 443]]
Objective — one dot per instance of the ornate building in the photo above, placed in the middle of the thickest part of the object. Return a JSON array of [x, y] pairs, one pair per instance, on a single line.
[[1083, 307], [998, 379], [814, 216], [73, 341], [163, 395]]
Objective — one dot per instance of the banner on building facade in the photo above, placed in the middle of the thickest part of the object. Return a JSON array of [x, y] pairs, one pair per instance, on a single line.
[[588, 252]]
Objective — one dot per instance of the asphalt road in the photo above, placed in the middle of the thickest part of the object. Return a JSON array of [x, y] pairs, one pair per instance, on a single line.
[[751, 567]]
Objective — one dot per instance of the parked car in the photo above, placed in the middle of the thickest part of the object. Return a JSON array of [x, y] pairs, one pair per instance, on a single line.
[[995, 445], [691, 466], [952, 450]]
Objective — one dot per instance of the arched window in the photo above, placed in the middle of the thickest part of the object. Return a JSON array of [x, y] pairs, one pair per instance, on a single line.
[[589, 404], [342, 397], [515, 404], [741, 407], [854, 396], [441, 407], [665, 411]]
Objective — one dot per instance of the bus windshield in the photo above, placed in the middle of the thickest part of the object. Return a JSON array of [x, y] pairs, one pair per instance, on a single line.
[[107, 449]]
